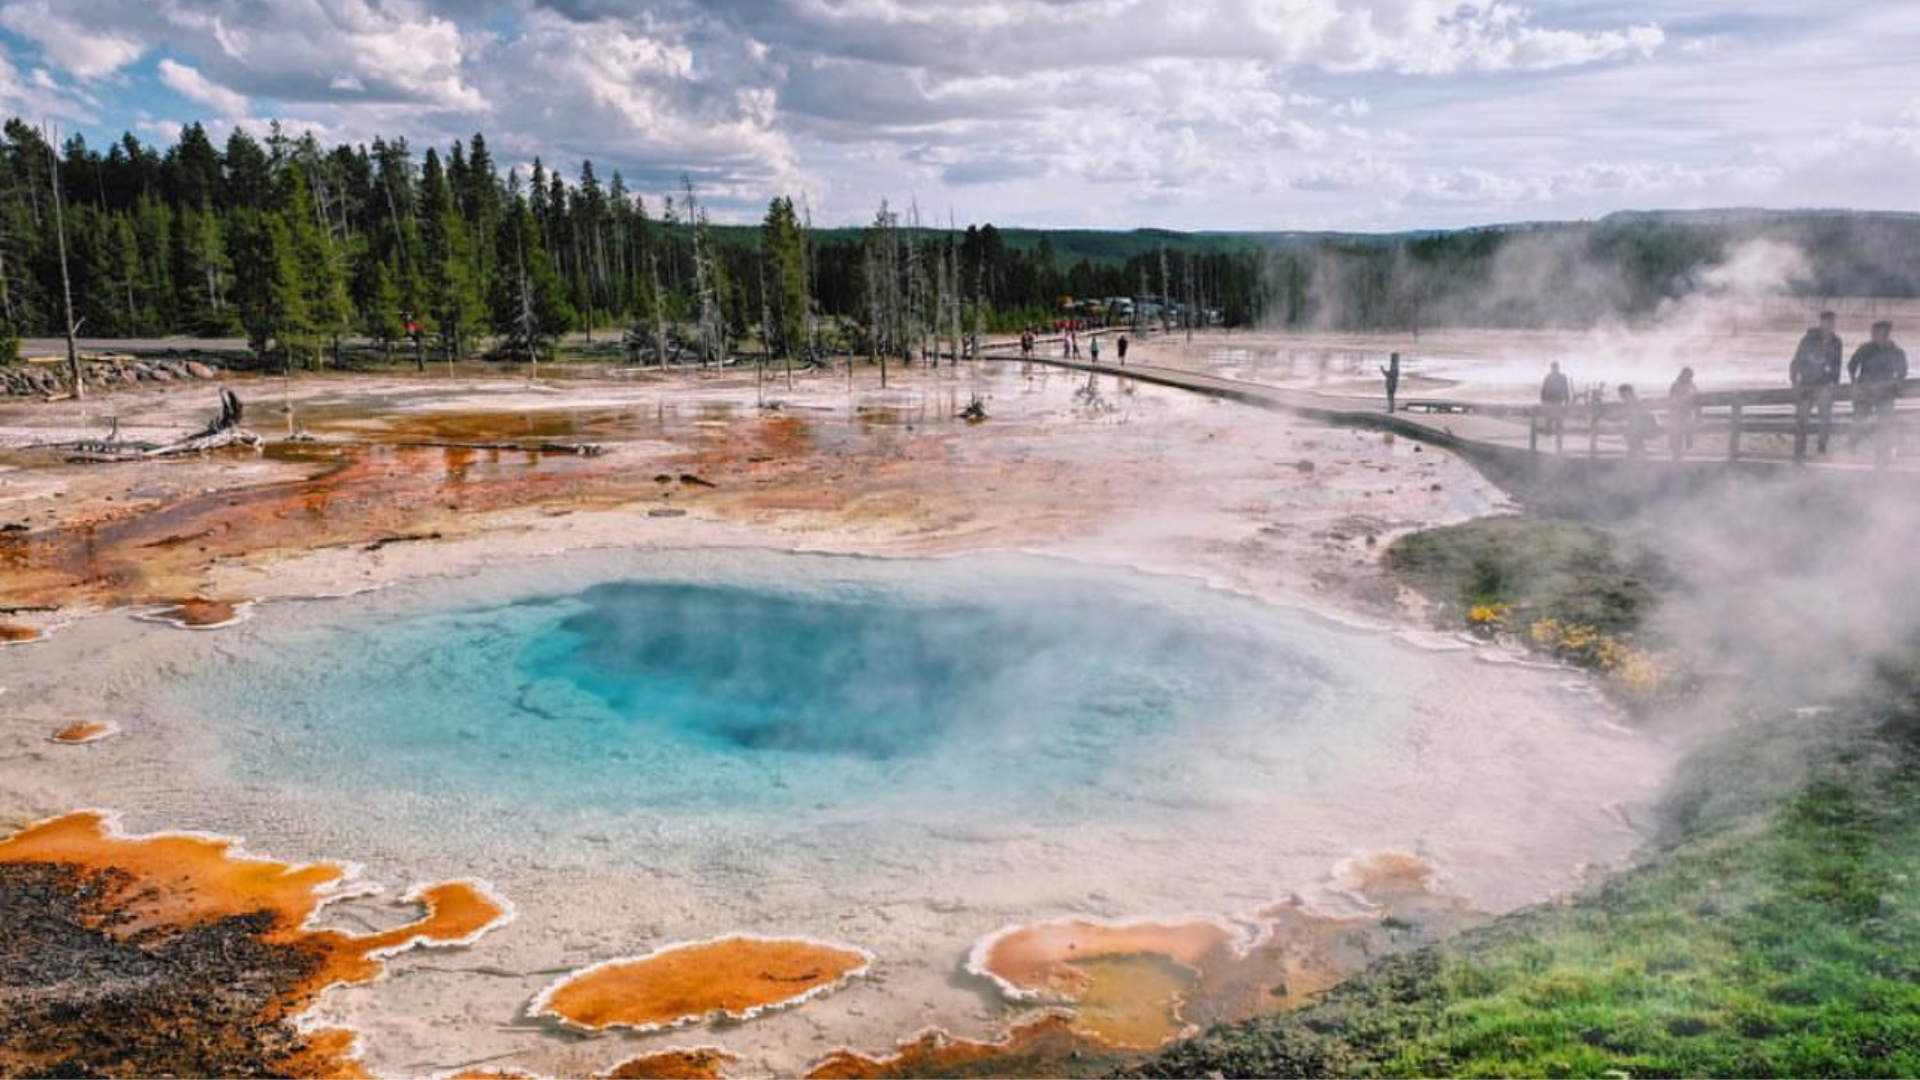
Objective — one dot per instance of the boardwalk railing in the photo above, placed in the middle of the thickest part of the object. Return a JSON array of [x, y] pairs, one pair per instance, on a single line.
[[1728, 424], [1755, 426]]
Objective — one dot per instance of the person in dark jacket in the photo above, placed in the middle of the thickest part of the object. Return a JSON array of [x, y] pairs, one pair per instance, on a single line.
[[1815, 372], [1556, 393], [1877, 369], [1392, 374], [1120, 347]]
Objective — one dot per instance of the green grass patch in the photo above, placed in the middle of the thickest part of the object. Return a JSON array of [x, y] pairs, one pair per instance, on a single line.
[[1572, 590], [1775, 933], [1537, 568]]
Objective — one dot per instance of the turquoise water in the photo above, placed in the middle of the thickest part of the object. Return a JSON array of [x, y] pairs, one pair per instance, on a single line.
[[928, 687]]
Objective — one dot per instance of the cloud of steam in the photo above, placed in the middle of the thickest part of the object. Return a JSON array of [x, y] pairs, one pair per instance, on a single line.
[[1795, 586], [1657, 278], [1734, 291]]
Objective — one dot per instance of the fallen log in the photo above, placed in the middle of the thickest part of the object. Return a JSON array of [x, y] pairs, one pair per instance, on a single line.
[[223, 431], [210, 440]]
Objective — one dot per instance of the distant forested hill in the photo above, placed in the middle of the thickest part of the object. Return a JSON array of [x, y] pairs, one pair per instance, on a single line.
[[295, 245]]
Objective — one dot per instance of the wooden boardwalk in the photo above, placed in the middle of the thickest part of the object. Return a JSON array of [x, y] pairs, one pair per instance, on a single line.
[[1745, 429]]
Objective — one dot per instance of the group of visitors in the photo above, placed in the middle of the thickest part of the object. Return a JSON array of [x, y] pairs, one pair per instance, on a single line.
[[1682, 410], [1070, 344], [1876, 372]]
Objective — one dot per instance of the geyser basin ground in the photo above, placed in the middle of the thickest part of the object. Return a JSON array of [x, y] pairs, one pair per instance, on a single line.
[[905, 756]]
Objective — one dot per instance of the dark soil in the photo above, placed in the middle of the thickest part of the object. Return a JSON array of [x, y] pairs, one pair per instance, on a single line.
[[77, 999]]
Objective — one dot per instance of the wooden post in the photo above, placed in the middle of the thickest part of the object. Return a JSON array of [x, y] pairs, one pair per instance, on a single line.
[[1733, 434]]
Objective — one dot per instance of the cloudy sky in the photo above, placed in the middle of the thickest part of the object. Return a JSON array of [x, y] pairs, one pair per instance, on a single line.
[[1269, 114]]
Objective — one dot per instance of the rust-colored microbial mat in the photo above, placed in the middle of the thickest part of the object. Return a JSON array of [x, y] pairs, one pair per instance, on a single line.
[[176, 954], [196, 613], [697, 1063], [1136, 985], [1127, 979], [14, 634], [735, 977], [85, 731], [1046, 1046]]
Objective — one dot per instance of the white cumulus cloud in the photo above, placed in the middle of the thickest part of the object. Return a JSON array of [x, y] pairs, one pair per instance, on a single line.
[[195, 87]]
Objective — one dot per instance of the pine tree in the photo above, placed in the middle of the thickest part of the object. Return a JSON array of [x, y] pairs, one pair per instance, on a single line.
[[248, 180], [200, 275], [267, 284], [379, 303], [785, 248], [451, 299], [322, 270], [528, 303]]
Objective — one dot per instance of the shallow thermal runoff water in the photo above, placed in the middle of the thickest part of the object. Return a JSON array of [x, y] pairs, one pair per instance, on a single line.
[[903, 755]]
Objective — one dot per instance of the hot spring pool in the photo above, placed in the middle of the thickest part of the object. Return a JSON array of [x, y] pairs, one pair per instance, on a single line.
[[903, 755], [938, 689]]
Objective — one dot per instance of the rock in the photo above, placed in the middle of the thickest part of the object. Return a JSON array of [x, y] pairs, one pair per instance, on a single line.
[[201, 371]]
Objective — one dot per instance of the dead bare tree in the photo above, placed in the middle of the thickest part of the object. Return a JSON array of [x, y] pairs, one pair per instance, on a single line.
[[66, 283], [813, 307], [526, 324], [1189, 314], [766, 337], [712, 331], [1166, 294], [953, 280], [915, 337]]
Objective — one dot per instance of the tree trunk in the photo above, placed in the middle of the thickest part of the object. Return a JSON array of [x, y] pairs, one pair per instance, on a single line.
[[66, 283]]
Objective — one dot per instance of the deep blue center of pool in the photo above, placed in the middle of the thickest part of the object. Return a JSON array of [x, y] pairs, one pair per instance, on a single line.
[[751, 671]]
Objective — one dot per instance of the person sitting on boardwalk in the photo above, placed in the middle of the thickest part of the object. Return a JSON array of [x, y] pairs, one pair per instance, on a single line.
[[1877, 369], [1392, 373], [1556, 393], [1815, 372], [1683, 412]]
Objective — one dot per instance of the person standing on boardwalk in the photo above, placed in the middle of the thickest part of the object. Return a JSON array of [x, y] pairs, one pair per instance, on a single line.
[[1556, 393], [1877, 369], [1093, 349], [1815, 372], [1683, 412], [1120, 347], [1392, 373]]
